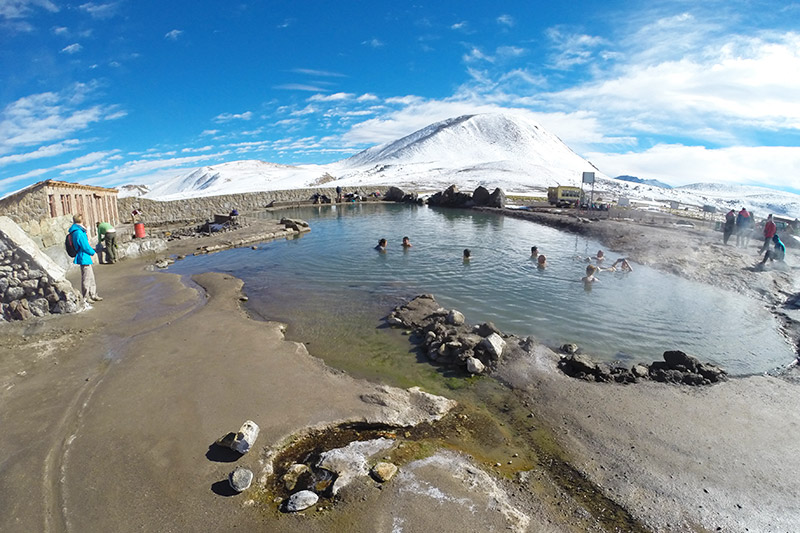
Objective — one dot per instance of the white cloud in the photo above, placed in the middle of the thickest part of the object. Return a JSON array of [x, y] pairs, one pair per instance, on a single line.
[[319, 73], [374, 43], [46, 117], [506, 20], [16, 9], [336, 97], [459, 26], [680, 165], [227, 117], [173, 35], [572, 48], [299, 87], [72, 49], [41, 152], [367, 97], [100, 11]]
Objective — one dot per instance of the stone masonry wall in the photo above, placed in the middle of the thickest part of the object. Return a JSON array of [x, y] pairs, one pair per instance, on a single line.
[[202, 209], [31, 284]]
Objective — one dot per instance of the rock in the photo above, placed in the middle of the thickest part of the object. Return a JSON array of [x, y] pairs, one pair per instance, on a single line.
[[226, 441], [578, 365], [246, 437], [677, 359], [569, 348], [404, 408], [640, 371], [450, 197], [295, 224], [394, 194], [497, 199], [240, 479], [293, 474], [494, 344], [480, 196], [351, 461], [474, 366], [486, 329], [39, 307], [300, 501], [383, 471], [455, 318]]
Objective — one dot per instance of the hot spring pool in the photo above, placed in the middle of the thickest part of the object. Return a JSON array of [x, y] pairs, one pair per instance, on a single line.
[[332, 287]]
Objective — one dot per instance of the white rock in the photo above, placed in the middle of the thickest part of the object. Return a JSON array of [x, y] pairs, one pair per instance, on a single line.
[[301, 500], [494, 344], [246, 437], [474, 365], [351, 461]]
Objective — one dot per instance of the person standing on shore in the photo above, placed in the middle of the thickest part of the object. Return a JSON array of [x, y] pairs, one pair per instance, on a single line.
[[742, 228], [83, 257], [727, 229], [770, 229], [107, 237]]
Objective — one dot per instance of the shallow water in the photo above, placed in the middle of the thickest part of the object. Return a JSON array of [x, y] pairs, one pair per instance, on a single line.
[[332, 288]]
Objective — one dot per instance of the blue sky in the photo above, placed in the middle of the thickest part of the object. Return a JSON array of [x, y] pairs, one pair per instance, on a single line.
[[137, 91]]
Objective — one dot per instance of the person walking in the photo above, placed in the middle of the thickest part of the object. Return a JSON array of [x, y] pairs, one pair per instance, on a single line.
[[107, 237], [742, 227], [727, 229], [770, 229], [83, 257]]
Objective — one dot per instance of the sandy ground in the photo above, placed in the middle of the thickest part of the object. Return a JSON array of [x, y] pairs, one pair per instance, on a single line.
[[108, 417]]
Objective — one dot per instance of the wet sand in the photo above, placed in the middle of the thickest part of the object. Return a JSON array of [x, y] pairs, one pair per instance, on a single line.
[[108, 416]]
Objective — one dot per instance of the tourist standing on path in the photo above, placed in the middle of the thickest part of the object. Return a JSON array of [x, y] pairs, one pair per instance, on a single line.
[[727, 230], [83, 257], [107, 237], [743, 228], [770, 229]]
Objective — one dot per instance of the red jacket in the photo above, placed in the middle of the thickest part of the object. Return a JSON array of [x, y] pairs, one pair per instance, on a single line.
[[770, 229]]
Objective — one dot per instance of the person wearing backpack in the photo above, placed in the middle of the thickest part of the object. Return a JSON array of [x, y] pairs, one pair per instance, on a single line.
[[83, 257]]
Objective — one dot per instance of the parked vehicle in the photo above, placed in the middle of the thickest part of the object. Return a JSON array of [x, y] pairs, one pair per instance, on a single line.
[[564, 196]]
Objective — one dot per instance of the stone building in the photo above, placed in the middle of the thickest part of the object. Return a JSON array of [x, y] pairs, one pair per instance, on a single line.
[[43, 209]]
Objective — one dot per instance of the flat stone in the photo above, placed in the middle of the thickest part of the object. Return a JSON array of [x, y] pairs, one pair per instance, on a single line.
[[384, 471], [300, 501], [494, 344]]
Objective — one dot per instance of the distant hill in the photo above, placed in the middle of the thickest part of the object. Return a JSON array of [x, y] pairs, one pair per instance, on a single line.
[[652, 183]]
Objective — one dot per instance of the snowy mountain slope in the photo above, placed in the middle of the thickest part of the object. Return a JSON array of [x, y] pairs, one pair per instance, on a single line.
[[492, 150], [235, 177]]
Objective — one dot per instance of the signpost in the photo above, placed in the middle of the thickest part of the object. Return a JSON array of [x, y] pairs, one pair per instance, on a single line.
[[588, 177]]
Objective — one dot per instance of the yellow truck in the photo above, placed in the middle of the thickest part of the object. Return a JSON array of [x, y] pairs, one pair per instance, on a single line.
[[564, 196]]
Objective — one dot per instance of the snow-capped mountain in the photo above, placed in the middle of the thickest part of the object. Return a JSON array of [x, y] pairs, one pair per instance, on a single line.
[[493, 150]]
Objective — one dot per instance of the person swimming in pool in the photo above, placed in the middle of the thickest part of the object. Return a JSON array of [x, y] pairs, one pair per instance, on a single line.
[[381, 247], [541, 262], [624, 266], [406, 242], [467, 255], [600, 257], [589, 278], [534, 252]]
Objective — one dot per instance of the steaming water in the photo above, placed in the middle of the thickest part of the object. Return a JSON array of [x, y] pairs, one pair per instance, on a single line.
[[332, 287]]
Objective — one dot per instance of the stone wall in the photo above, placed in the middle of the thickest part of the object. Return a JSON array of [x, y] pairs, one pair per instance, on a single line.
[[202, 209], [31, 284]]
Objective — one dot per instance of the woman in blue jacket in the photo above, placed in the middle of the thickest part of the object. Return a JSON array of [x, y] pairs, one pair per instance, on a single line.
[[83, 257]]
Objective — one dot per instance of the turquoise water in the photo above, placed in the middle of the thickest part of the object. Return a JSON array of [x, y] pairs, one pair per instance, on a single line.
[[330, 285]]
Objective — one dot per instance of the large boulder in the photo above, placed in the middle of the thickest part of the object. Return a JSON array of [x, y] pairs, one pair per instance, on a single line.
[[394, 194], [450, 197], [497, 199], [480, 196]]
